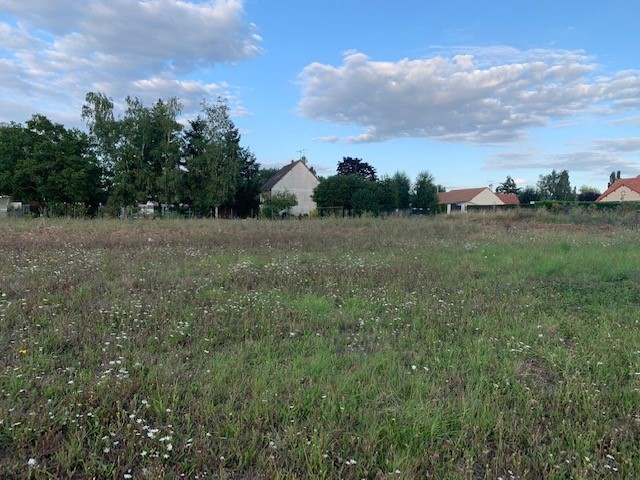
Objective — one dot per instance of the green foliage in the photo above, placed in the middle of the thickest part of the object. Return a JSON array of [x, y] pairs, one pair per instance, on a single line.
[[508, 186], [613, 177], [357, 167], [148, 156], [336, 192], [588, 194], [273, 204], [401, 184], [556, 186], [425, 192], [529, 194], [218, 167], [47, 163]]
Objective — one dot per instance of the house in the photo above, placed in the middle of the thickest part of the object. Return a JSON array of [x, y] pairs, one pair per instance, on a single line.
[[459, 200], [509, 198], [295, 178], [622, 190]]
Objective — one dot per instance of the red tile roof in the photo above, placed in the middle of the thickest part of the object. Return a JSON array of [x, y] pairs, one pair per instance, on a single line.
[[459, 196], [509, 198], [632, 183]]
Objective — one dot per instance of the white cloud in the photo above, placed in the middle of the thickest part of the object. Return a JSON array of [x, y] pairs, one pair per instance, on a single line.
[[488, 96], [52, 53], [591, 161], [630, 145]]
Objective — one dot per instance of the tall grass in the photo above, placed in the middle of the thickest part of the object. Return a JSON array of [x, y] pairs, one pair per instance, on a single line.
[[477, 346]]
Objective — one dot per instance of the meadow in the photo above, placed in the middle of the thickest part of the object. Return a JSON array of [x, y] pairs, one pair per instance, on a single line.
[[472, 346]]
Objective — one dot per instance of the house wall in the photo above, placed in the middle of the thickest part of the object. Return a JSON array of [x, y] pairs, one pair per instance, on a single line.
[[622, 194], [486, 197], [301, 182]]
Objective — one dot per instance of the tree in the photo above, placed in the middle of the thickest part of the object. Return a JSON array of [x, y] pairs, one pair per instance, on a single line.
[[355, 166], [47, 163], [217, 165], [529, 194], [141, 152], [508, 186], [425, 192], [401, 184], [275, 203], [336, 193], [613, 177], [556, 186], [367, 199], [588, 194]]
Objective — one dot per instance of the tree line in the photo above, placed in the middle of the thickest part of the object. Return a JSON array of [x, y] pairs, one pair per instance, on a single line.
[[356, 189], [144, 154], [554, 186]]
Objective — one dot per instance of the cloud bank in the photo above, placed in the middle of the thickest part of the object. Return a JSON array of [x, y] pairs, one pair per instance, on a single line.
[[52, 53], [488, 96]]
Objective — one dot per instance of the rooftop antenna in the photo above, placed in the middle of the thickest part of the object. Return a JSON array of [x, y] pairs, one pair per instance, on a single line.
[[301, 153]]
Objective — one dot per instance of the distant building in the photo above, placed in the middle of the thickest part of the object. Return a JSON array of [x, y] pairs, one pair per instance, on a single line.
[[295, 178], [459, 200], [622, 190]]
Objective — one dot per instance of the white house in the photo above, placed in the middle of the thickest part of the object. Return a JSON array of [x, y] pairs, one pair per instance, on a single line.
[[295, 178], [622, 190], [459, 200]]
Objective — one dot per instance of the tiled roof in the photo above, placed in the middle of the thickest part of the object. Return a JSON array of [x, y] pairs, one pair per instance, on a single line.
[[459, 196], [632, 183], [279, 176], [509, 198]]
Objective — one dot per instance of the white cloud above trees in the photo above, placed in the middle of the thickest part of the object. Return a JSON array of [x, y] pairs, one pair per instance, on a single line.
[[52, 53], [489, 96]]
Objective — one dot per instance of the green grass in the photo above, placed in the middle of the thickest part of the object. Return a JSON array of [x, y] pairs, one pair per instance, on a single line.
[[472, 346]]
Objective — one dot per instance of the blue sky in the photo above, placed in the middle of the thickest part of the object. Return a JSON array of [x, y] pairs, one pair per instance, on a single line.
[[470, 91]]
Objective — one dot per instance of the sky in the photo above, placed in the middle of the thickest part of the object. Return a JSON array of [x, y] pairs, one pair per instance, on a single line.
[[471, 91]]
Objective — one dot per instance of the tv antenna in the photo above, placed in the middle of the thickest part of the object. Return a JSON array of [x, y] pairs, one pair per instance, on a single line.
[[301, 153]]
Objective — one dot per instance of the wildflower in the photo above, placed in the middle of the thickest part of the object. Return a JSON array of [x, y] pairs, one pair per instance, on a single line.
[[32, 462], [23, 351]]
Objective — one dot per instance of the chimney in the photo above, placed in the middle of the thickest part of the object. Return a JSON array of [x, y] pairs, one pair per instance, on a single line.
[[304, 159]]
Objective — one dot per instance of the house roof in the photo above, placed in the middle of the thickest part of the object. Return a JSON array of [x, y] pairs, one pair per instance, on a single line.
[[631, 183], [459, 196], [509, 198], [269, 184]]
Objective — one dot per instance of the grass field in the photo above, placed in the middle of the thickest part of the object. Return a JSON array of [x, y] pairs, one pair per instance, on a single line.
[[474, 346]]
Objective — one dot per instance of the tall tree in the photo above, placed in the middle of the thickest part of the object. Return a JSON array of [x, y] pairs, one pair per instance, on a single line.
[[401, 184], [556, 186], [216, 163], [355, 166], [140, 151], [425, 192], [613, 177], [508, 186], [45, 162]]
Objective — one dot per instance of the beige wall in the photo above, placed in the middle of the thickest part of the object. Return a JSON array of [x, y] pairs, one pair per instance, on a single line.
[[622, 194], [301, 182], [486, 197]]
